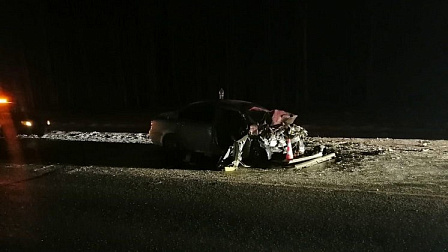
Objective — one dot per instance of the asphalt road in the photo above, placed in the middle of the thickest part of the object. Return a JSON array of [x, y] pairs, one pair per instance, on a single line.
[[93, 198], [85, 208]]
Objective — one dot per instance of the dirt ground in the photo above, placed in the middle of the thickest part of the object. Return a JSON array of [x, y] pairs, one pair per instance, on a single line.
[[377, 165], [380, 165]]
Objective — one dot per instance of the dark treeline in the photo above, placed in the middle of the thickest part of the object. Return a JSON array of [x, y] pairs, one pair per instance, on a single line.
[[65, 55]]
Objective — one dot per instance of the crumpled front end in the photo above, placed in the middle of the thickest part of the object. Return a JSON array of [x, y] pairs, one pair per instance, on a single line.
[[275, 138], [270, 133]]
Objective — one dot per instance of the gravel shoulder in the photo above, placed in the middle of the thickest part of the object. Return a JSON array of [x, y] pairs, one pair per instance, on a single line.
[[414, 167], [377, 165]]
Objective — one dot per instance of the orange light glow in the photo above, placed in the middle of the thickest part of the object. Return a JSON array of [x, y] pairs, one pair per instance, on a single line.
[[10, 135], [4, 100], [27, 123]]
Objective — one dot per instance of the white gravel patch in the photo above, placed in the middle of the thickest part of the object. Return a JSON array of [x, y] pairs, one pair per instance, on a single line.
[[111, 137]]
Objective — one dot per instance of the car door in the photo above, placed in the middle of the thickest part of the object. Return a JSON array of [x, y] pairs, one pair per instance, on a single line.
[[230, 126], [195, 128]]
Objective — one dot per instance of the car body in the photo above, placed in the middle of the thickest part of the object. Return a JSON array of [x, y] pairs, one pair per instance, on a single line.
[[211, 127], [207, 127], [17, 120]]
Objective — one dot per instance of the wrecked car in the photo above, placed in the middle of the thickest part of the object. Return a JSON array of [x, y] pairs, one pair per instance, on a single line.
[[232, 130]]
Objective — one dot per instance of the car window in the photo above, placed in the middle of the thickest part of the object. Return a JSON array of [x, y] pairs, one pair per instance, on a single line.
[[231, 117], [201, 112], [230, 126]]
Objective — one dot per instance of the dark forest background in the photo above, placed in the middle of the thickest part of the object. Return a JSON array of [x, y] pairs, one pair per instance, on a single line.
[[376, 57]]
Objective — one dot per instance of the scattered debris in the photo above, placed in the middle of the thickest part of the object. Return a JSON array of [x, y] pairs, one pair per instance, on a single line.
[[312, 159], [320, 151], [315, 161], [303, 159]]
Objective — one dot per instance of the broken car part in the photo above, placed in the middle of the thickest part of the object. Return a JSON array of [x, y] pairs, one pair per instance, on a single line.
[[315, 161]]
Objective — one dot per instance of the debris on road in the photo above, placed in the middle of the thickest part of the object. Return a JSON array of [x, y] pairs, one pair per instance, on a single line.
[[320, 151], [310, 160], [315, 161], [303, 159]]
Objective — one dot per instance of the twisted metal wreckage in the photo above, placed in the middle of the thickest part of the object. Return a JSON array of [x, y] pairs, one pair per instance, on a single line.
[[275, 134]]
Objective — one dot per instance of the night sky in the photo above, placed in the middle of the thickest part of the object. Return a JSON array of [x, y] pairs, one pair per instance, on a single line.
[[376, 57]]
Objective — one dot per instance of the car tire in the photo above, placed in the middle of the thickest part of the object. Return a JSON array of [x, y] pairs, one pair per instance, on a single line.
[[256, 155], [174, 152], [170, 142]]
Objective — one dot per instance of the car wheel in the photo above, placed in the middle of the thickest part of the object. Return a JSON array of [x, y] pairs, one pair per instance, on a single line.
[[174, 152], [171, 142], [256, 156]]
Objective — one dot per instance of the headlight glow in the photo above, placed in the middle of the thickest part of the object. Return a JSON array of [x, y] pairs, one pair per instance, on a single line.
[[48, 122], [4, 100], [27, 123]]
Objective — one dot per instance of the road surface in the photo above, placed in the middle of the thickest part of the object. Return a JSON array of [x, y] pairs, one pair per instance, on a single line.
[[91, 208], [99, 196]]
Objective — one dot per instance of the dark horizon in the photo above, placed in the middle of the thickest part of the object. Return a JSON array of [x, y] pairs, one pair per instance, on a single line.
[[373, 56]]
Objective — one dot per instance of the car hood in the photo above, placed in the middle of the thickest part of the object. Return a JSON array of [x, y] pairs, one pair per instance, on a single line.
[[274, 117]]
